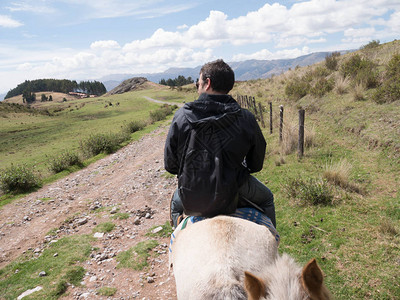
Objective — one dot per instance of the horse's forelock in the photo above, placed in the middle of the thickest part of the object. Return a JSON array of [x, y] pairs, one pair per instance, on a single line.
[[283, 279]]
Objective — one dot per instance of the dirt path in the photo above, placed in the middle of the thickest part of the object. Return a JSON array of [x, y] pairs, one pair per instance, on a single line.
[[131, 180], [164, 102]]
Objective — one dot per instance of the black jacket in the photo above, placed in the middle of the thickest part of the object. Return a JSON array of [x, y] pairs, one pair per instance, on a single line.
[[244, 145]]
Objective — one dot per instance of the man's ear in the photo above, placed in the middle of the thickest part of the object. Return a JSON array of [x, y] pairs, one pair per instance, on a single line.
[[208, 84]]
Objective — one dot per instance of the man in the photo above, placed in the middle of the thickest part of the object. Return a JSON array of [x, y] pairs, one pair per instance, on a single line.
[[235, 149]]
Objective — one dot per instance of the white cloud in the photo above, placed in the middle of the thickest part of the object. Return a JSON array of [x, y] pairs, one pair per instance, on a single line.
[[30, 6], [109, 44], [265, 54], [8, 22]]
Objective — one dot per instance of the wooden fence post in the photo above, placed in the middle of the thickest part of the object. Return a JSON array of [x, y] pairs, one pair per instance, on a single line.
[[270, 117], [301, 133], [261, 115], [281, 123]]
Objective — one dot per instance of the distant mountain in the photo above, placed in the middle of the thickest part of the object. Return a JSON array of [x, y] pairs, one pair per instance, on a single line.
[[244, 70], [2, 97]]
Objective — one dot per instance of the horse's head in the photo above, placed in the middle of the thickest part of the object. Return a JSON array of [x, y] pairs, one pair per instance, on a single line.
[[305, 285]]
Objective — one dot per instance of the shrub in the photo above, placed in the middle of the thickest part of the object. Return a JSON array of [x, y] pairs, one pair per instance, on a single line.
[[102, 143], [134, 126], [372, 44], [361, 71], [161, 113], [297, 89], [321, 87], [18, 179], [331, 61], [310, 191], [389, 91], [64, 161]]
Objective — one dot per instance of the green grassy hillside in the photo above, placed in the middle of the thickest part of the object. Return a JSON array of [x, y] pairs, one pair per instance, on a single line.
[[351, 166]]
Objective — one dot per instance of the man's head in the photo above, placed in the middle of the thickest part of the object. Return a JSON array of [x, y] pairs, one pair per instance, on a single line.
[[216, 76]]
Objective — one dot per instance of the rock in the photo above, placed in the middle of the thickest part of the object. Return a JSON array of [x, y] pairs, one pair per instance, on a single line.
[[98, 235], [42, 274], [157, 229], [114, 210], [82, 221], [28, 292], [150, 279]]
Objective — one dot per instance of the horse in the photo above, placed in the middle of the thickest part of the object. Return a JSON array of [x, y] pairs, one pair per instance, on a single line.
[[226, 257]]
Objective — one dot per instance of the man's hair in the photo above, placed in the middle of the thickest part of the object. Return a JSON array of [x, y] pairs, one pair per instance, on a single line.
[[221, 75]]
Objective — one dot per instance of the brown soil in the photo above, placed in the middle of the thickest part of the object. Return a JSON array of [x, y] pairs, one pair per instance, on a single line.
[[133, 181]]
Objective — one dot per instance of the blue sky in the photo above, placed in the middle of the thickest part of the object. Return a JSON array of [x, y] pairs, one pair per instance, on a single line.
[[85, 40]]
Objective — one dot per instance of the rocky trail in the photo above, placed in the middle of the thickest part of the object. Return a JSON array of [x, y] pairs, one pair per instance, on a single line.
[[130, 181]]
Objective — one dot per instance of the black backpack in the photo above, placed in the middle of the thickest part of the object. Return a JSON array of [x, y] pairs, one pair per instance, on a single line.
[[207, 184]]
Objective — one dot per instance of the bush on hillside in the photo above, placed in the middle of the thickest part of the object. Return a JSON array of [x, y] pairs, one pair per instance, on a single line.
[[389, 91], [297, 88], [102, 143], [372, 44], [331, 61], [134, 126], [161, 113], [18, 179], [360, 70], [322, 86], [63, 161]]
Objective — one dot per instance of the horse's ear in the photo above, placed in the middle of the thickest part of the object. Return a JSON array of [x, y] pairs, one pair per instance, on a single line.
[[254, 286], [313, 279]]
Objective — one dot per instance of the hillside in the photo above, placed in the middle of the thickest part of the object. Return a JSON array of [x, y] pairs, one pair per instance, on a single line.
[[340, 203]]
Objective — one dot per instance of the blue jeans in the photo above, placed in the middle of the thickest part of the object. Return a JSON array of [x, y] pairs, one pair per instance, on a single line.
[[251, 192]]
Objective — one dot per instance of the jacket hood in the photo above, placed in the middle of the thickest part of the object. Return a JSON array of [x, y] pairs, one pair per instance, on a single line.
[[208, 108]]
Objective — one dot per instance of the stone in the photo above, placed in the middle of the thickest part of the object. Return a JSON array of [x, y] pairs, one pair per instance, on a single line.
[[28, 292], [98, 235]]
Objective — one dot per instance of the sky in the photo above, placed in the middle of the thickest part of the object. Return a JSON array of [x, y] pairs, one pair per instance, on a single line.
[[89, 39]]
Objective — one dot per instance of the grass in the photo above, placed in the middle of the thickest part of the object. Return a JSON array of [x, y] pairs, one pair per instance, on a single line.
[[61, 262], [107, 291], [104, 227], [136, 257], [166, 230], [51, 135]]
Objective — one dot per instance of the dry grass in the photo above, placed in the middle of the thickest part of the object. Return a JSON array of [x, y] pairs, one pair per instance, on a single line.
[[339, 175], [359, 92], [387, 227], [342, 85]]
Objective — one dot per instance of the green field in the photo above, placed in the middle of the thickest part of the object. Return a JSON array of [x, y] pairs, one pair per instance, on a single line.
[[27, 138]]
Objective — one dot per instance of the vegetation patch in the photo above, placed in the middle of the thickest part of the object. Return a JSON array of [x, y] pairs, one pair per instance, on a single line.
[[310, 191], [63, 161], [107, 291], [160, 230], [18, 179], [59, 266], [136, 257], [104, 227]]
